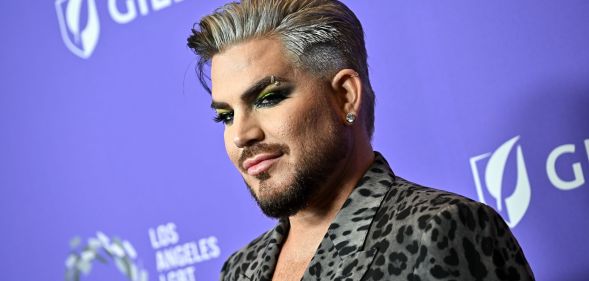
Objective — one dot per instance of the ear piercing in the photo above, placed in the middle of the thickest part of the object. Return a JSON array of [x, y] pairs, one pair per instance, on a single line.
[[274, 81], [350, 118]]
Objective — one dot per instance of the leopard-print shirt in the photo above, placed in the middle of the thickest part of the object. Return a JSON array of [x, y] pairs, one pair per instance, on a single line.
[[392, 229]]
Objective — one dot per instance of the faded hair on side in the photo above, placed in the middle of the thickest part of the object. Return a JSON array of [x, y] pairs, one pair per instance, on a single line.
[[321, 36]]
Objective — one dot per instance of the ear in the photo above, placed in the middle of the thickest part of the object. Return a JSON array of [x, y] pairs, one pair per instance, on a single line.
[[347, 85]]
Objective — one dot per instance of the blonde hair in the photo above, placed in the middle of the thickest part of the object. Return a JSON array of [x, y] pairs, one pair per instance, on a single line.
[[321, 36]]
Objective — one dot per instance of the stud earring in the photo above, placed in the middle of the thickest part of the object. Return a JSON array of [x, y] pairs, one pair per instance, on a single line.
[[350, 118]]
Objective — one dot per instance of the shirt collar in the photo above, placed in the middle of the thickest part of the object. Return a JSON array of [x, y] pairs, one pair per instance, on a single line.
[[360, 208]]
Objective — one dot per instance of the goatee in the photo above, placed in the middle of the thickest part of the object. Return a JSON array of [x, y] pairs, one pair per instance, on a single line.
[[318, 161]]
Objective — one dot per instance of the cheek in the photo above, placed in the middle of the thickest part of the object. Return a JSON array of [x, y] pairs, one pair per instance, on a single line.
[[315, 118], [300, 125], [286, 127]]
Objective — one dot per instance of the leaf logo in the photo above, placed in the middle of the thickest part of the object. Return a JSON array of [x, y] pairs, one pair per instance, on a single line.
[[103, 249], [517, 203], [80, 38]]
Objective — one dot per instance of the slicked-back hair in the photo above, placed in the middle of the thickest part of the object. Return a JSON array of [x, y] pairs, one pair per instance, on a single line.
[[320, 36]]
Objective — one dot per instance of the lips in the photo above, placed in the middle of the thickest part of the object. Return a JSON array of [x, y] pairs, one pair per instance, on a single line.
[[260, 163]]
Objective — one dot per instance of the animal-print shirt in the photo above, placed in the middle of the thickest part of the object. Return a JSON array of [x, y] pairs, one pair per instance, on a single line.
[[392, 229]]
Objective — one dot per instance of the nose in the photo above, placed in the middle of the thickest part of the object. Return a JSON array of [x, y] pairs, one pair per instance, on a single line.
[[247, 131]]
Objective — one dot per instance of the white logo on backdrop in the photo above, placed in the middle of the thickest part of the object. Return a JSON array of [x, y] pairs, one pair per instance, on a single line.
[[80, 38], [516, 203], [175, 260], [103, 248]]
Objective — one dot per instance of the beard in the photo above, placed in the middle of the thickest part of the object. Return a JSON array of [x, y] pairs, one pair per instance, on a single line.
[[319, 159]]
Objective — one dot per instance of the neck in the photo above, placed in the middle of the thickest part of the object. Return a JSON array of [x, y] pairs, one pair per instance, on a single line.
[[316, 218]]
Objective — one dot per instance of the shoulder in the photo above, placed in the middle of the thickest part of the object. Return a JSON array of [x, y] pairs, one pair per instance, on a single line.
[[443, 235], [408, 211], [427, 213], [410, 201]]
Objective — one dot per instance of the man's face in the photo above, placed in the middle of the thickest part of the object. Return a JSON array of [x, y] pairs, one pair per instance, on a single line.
[[283, 128]]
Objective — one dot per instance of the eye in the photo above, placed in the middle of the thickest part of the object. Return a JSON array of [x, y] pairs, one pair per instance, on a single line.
[[224, 117], [271, 98]]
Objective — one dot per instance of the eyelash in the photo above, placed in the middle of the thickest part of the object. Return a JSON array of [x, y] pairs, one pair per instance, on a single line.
[[268, 100], [226, 117], [271, 99]]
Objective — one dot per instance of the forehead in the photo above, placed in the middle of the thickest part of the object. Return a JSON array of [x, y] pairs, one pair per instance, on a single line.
[[241, 65]]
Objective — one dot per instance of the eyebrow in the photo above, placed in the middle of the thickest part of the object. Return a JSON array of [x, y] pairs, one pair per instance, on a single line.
[[251, 92]]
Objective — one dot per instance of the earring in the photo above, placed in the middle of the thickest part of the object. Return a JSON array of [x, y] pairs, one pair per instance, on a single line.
[[350, 118]]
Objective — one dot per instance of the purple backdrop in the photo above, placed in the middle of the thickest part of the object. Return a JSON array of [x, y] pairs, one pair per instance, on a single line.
[[105, 129]]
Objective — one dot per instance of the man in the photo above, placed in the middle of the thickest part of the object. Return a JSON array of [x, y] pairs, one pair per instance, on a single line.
[[290, 83]]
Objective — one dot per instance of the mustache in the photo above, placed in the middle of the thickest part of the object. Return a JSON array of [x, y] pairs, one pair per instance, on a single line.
[[262, 148]]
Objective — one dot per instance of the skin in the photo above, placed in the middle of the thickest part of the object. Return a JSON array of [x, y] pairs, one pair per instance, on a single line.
[[307, 124]]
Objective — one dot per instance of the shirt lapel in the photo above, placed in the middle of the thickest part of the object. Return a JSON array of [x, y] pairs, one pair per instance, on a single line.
[[341, 252], [263, 266]]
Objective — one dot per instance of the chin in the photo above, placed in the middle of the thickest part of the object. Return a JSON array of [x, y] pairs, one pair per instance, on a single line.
[[270, 186], [279, 198]]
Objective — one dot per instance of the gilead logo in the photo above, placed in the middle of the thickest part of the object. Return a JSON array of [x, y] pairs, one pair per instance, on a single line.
[[81, 37], [516, 203]]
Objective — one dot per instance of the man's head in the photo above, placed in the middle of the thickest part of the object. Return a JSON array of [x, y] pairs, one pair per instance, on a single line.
[[284, 76], [320, 36]]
